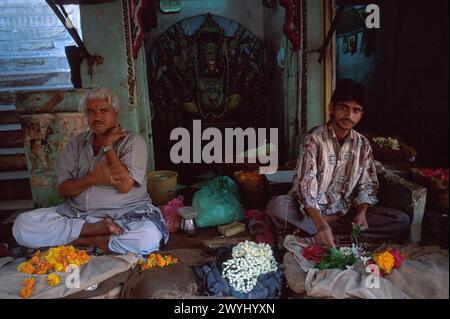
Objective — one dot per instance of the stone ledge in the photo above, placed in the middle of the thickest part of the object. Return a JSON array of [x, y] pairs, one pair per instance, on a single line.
[[397, 192]]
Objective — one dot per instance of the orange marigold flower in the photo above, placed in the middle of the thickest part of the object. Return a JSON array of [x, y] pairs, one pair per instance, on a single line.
[[26, 292], [43, 268], [29, 282], [26, 268], [34, 260]]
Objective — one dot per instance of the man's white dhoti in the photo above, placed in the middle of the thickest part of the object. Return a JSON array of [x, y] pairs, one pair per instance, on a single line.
[[44, 227]]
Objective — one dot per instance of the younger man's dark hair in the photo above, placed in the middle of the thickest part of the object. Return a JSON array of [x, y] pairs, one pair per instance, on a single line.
[[349, 90]]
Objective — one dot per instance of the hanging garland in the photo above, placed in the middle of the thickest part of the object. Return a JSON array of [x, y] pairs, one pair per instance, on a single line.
[[304, 80], [131, 76]]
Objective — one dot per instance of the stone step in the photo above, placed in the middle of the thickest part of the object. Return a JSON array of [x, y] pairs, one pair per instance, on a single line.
[[10, 127], [40, 45], [7, 107], [13, 175], [21, 64], [14, 186], [36, 81], [38, 11], [55, 32], [22, 21], [9, 117], [42, 87], [11, 139], [7, 100], [12, 162], [21, 204], [13, 74], [12, 151]]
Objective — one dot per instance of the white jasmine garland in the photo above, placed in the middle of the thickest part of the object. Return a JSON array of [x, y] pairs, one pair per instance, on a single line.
[[249, 261], [389, 142]]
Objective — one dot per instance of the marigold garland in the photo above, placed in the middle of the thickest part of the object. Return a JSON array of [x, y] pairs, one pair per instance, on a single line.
[[157, 260], [27, 290], [55, 259]]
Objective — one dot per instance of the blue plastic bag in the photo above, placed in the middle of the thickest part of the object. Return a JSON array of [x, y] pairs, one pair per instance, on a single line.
[[218, 203]]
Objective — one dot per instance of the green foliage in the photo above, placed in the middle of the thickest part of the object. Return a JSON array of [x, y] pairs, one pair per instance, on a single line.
[[336, 260], [356, 230]]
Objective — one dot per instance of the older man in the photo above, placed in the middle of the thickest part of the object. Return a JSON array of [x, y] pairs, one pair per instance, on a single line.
[[336, 181], [102, 173]]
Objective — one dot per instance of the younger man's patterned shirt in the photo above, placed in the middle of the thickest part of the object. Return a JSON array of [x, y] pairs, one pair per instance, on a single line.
[[332, 177]]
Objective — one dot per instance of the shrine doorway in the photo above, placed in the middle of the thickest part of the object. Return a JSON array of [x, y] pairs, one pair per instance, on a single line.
[[206, 68]]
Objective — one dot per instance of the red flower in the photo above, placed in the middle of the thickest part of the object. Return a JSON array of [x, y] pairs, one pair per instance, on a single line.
[[314, 253], [397, 257]]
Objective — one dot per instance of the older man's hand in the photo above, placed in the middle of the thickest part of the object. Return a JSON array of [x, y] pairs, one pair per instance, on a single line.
[[115, 134], [101, 174], [107, 174]]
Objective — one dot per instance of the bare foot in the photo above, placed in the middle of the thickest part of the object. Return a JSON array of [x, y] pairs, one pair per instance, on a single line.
[[105, 227], [111, 228]]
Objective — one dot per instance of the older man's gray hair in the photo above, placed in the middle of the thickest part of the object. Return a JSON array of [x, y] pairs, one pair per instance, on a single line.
[[100, 93]]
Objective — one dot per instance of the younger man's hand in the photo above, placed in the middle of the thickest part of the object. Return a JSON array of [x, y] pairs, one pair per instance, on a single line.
[[324, 236], [361, 220]]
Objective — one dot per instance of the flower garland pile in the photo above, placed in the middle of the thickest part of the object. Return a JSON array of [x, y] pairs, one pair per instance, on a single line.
[[346, 257], [55, 259], [335, 258], [157, 260], [249, 261]]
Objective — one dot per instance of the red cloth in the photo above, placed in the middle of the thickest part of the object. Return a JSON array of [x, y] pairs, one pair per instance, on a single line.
[[142, 19], [256, 221]]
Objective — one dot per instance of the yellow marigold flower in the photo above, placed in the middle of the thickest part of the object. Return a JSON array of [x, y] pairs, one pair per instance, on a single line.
[[59, 267], [21, 265], [53, 280], [385, 261]]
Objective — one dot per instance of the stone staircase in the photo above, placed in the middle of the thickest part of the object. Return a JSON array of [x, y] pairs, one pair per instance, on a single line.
[[15, 189], [32, 41], [32, 57]]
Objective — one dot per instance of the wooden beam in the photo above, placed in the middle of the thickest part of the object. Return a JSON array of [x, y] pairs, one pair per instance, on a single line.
[[329, 57]]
